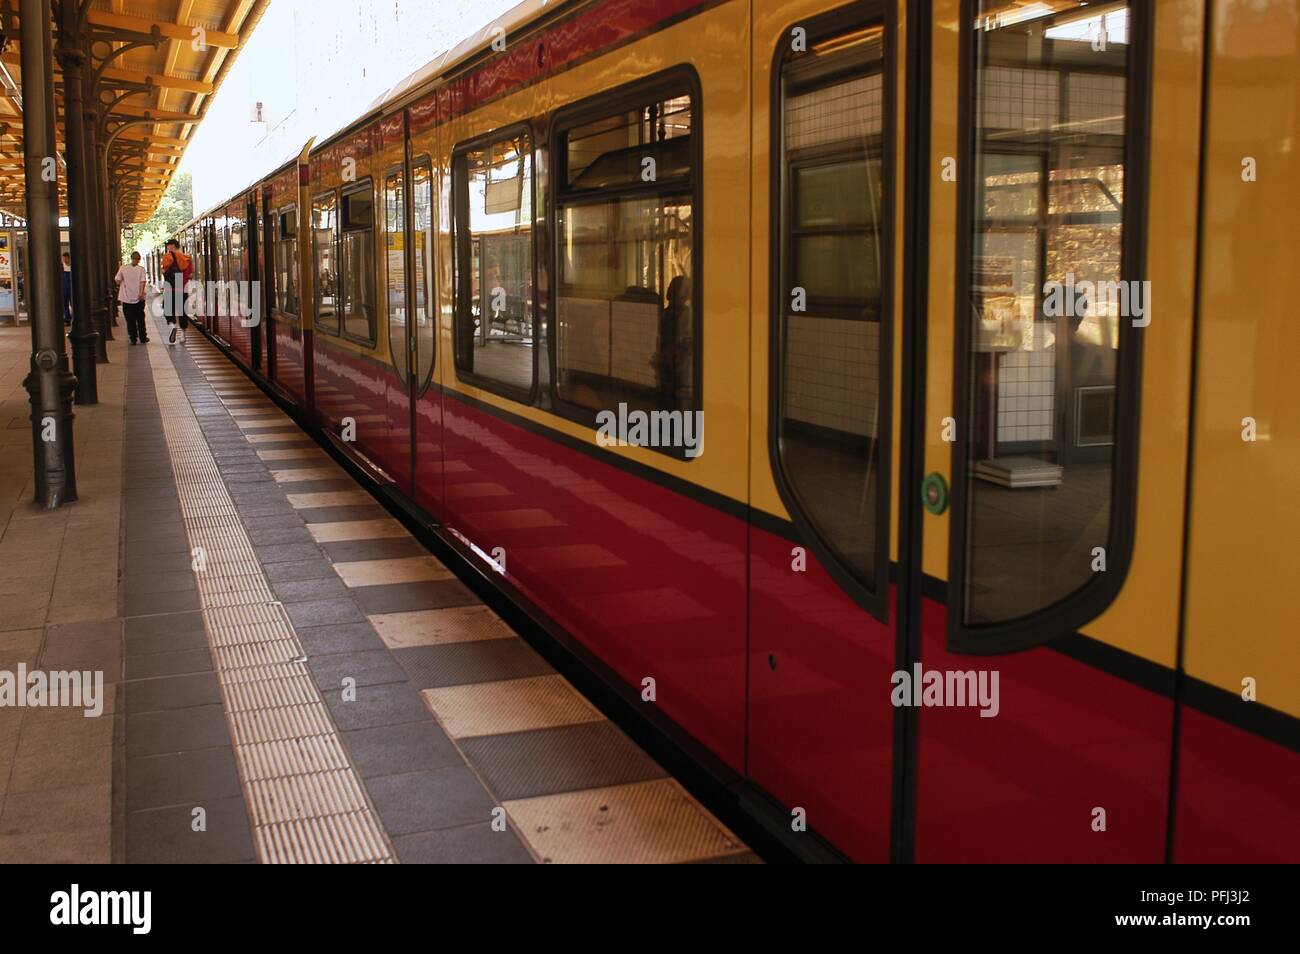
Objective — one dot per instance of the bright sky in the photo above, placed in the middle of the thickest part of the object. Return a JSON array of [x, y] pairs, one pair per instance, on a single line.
[[315, 65]]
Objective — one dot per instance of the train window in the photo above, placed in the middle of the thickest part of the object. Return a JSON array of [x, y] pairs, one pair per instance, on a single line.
[[495, 263], [831, 405], [422, 241], [222, 253], [395, 270], [324, 244], [357, 261], [628, 291], [1048, 205], [236, 270], [286, 262]]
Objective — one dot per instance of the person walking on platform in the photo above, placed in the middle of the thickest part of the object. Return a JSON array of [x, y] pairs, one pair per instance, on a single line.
[[177, 269], [130, 294], [67, 289]]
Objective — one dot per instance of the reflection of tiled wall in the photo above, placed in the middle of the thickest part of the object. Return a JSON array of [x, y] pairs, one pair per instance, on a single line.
[[1094, 96], [842, 111], [590, 326], [583, 343], [635, 330], [1027, 391], [1019, 99], [832, 373], [1030, 99]]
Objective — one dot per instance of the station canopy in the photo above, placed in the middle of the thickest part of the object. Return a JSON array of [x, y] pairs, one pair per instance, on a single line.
[[165, 61]]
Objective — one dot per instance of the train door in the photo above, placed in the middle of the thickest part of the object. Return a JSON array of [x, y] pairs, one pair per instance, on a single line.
[[424, 205], [1046, 591], [270, 241], [826, 314], [254, 276], [955, 653], [399, 305]]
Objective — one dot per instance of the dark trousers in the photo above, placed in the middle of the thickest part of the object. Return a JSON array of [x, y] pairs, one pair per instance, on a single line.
[[134, 311], [174, 300]]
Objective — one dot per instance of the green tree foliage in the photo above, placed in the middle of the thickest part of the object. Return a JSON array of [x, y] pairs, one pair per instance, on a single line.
[[175, 209]]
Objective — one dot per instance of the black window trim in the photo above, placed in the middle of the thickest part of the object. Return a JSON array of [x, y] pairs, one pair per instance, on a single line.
[[356, 188], [674, 80], [873, 596], [1068, 614], [403, 372], [425, 161], [460, 237], [315, 274], [279, 237]]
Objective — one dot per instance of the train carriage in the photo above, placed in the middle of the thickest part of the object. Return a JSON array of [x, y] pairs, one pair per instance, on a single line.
[[897, 261]]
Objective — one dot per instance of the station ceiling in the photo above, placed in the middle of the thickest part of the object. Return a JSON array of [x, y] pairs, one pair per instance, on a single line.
[[168, 57]]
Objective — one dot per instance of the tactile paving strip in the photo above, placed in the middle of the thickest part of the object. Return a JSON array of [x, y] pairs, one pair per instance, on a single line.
[[304, 797]]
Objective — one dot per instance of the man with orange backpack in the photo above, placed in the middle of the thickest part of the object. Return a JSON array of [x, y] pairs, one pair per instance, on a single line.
[[177, 268]]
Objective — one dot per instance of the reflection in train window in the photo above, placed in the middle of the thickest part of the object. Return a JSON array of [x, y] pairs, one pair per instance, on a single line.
[[626, 321], [235, 271], [494, 262], [831, 417], [357, 265], [395, 270], [324, 243], [286, 262], [422, 239], [1048, 216]]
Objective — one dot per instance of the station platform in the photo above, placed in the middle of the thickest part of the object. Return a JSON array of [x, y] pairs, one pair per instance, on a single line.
[[289, 675]]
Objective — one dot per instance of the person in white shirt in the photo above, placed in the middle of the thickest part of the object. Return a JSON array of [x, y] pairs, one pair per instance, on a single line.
[[130, 294]]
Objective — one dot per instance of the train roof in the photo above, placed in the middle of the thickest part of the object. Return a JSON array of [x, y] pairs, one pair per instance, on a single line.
[[420, 82]]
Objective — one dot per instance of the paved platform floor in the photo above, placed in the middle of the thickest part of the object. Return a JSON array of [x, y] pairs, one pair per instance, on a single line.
[[292, 677]]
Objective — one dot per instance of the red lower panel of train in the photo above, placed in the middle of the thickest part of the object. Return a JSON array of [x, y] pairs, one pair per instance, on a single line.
[[241, 338], [650, 580], [1068, 743], [290, 375], [1238, 795], [787, 680], [351, 401], [820, 721]]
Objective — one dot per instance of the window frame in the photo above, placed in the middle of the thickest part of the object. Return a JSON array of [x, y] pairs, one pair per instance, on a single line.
[[656, 87], [280, 237], [337, 330], [460, 238], [873, 596], [425, 161], [1064, 616], [401, 364], [363, 185]]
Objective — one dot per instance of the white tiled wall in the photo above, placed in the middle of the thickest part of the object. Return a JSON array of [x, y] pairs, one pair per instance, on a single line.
[[1026, 404], [832, 373]]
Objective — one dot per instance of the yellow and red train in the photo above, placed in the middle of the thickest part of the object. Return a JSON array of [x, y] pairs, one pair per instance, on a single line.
[[986, 554]]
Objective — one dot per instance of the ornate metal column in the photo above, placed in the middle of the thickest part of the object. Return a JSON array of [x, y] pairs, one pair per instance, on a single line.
[[97, 114], [49, 383], [81, 199]]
